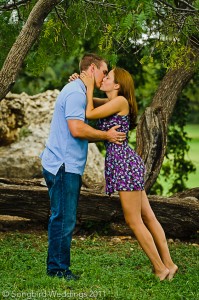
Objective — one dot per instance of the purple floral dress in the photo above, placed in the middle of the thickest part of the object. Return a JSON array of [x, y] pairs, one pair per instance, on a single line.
[[124, 168]]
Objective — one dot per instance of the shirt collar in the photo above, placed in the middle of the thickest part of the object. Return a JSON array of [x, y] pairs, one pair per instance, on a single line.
[[80, 82]]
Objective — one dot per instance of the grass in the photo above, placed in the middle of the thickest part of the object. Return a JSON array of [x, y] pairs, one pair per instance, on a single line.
[[193, 133], [193, 178], [108, 271]]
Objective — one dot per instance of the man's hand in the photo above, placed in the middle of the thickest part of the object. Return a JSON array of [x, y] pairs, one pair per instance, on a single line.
[[115, 136]]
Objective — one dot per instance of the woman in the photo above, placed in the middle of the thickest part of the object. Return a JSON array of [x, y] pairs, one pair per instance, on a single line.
[[124, 169]]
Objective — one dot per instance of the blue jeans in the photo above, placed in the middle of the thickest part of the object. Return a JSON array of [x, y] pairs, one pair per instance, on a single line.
[[64, 190]]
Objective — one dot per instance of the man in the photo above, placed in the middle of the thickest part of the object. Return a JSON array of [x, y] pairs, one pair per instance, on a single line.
[[64, 159]]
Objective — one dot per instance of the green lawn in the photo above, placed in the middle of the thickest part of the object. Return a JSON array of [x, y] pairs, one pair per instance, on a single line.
[[108, 271], [193, 133], [193, 155]]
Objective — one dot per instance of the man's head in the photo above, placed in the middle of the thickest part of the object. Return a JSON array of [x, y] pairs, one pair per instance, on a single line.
[[95, 65]]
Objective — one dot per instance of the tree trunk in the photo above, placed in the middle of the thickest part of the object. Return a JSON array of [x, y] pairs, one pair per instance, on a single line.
[[29, 199], [151, 136], [24, 42]]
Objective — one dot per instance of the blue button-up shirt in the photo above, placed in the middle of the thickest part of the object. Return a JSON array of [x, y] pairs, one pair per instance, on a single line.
[[61, 146]]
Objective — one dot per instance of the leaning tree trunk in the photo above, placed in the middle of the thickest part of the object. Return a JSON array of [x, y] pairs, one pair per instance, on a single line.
[[152, 128], [24, 42]]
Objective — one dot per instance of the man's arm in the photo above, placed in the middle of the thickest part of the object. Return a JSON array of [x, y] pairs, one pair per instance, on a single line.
[[81, 130]]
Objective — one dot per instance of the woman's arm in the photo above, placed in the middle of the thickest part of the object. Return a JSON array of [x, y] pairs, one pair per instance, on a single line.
[[117, 105]]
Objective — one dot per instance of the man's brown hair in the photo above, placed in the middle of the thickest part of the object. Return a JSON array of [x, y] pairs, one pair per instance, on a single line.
[[88, 59]]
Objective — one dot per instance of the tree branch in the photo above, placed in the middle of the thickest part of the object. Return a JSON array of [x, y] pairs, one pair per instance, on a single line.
[[186, 3], [101, 3], [15, 5], [192, 10], [28, 35]]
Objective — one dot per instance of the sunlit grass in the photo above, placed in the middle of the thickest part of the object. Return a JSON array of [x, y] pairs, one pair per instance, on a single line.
[[193, 133], [193, 156]]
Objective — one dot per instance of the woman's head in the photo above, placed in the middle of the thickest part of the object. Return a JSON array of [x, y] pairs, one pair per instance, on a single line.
[[120, 80]]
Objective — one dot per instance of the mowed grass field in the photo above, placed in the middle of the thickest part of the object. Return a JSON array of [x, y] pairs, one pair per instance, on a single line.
[[109, 271], [193, 155], [193, 133]]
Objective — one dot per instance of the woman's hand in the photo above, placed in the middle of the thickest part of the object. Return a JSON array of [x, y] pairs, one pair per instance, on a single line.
[[88, 80], [73, 77]]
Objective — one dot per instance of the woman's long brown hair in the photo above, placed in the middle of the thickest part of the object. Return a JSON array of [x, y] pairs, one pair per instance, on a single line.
[[127, 90]]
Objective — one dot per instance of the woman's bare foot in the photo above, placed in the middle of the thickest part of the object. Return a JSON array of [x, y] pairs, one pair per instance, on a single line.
[[162, 274], [172, 272]]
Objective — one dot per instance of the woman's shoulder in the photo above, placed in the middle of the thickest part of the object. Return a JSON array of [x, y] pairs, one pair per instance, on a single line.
[[123, 104], [120, 98]]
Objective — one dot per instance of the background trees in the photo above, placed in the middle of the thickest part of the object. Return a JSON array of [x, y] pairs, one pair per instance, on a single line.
[[157, 41]]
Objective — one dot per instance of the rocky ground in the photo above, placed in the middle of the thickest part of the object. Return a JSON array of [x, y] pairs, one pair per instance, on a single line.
[[16, 224], [113, 232]]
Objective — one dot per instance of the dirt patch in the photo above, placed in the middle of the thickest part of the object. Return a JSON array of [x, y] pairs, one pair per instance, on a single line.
[[14, 223], [102, 229]]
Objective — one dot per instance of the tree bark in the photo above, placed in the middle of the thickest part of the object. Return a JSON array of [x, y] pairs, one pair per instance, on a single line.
[[23, 43], [151, 135], [29, 199]]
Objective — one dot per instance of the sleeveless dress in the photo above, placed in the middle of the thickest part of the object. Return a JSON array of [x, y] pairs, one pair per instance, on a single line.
[[124, 168]]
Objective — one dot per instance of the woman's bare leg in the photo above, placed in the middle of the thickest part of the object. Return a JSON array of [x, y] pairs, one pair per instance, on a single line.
[[158, 234], [131, 204]]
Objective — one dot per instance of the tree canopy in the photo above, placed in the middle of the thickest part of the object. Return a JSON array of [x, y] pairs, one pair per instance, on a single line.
[[167, 29]]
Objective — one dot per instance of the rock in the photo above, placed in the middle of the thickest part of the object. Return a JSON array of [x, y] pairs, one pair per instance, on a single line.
[[24, 127], [12, 118], [171, 241], [125, 238], [177, 240], [195, 245], [115, 240], [94, 171]]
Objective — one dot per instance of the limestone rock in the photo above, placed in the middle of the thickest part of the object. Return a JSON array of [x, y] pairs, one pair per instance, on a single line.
[[24, 127], [12, 117]]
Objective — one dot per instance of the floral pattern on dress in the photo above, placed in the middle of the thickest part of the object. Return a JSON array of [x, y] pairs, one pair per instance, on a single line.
[[124, 168]]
